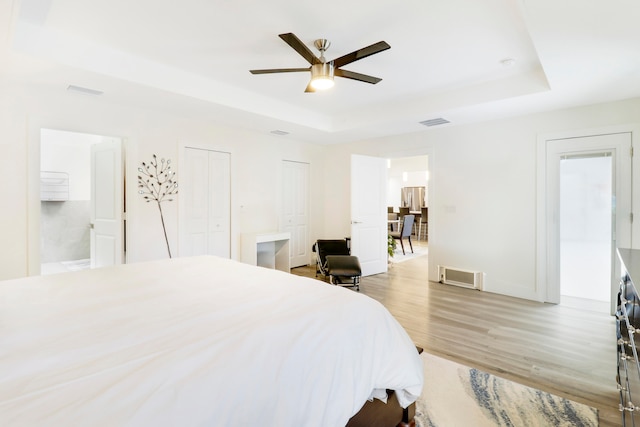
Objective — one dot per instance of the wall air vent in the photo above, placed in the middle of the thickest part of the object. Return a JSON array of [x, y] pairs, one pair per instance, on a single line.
[[279, 132], [434, 122], [459, 277], [85, 90]]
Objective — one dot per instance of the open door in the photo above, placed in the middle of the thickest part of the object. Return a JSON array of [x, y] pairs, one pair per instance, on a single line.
[[107, 202], [369, 213], [295, 210]]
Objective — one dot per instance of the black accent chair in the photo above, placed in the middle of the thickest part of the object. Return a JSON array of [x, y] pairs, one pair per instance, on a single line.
[[334, 261], [407, 228]]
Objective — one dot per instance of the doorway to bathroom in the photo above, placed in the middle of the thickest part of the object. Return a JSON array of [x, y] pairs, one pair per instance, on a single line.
[[588, 215], [81, 201]]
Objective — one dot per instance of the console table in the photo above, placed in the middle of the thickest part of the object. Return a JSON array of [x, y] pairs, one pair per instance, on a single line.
[[627, 326], [270, 250]]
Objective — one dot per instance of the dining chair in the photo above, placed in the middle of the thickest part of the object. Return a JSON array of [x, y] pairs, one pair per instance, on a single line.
[[407, 226], [393, 221], [424, 222], [402, 211]]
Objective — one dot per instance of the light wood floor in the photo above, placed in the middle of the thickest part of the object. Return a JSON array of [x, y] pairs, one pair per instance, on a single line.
[[567, 351]]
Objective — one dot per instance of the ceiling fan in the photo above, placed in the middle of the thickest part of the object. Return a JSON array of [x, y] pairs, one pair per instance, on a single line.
[[322, 72]]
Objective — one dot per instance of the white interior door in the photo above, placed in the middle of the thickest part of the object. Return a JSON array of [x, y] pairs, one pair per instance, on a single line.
[[205, 226], [194, 197], [219, 204], [616, 146], [107, 203], [369, 213], [295, 210]]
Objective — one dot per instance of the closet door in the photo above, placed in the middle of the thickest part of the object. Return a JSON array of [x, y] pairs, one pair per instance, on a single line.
[[205, 201], [219, 223], [295, 210]]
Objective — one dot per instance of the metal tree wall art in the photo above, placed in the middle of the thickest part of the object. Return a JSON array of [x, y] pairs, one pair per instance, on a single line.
[[157, 183]]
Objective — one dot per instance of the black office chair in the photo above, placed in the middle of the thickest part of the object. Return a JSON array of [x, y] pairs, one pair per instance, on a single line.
[[334, 260], [407, 226]]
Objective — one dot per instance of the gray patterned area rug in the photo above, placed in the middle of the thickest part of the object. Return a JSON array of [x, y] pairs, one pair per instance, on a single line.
[[458, 396]]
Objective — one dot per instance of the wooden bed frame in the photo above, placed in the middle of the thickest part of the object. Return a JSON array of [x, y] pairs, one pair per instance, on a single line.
[[379, 414]]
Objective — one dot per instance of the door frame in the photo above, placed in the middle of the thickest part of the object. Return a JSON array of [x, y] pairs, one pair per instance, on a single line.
[[432, 197], [546, 290], [34, 128]]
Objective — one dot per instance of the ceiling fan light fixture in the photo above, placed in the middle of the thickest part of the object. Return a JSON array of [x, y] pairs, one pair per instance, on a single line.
[[323, 72], [322, 76]]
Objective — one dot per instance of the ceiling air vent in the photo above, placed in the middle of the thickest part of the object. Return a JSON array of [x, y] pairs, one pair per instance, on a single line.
[[279, 132], [434, 122]]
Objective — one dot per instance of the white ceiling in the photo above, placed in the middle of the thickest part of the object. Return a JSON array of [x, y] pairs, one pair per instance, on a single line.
[[192, 57]]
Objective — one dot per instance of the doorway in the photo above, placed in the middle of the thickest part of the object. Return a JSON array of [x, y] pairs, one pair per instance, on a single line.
[[586, 190], [81, 201], [588, 207], [408, 187]]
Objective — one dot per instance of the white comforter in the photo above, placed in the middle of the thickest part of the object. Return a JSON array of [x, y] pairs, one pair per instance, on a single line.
[[200, 341]]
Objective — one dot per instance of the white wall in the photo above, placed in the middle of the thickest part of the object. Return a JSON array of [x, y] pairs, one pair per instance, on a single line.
[[482, 189], [255, 169], [13, 195]]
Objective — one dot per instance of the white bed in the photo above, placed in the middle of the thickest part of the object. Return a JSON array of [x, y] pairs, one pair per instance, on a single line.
[[193, 342]]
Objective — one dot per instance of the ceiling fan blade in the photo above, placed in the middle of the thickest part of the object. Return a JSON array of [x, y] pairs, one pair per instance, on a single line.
[[310, 89], [360, 53], [300, 47], [356, 76], [279, 70]]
